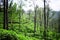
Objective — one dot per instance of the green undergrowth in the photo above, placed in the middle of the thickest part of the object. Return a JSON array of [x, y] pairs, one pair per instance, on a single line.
[[11, 35]]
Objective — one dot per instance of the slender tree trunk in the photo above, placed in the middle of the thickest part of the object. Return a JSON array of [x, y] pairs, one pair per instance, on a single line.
[[5, 14], [29, 15], [59, 24], [58, 31], [45, 21], [35, 22], [47, 14], [40, 18]]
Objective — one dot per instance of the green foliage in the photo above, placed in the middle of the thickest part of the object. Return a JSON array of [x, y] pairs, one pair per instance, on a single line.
[[21, 26], [11, 35], [8, 35], [51, 35], [22, 37], [1, 17]]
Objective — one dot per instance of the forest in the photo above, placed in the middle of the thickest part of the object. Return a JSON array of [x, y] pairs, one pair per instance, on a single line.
[[19, 23]]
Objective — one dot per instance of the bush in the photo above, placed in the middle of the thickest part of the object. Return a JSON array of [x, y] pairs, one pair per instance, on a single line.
[[11, 35], [8, 35], [23, 37]]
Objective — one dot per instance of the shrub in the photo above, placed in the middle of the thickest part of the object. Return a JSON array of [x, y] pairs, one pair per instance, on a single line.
[[23, 37], [7, 35], [11, 35]]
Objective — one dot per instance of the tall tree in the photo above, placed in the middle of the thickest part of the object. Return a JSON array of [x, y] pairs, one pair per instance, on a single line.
[[29, 14], [47, 14], [35, 22], [5, 14], [59, 22], [35, 11], [45, 27]]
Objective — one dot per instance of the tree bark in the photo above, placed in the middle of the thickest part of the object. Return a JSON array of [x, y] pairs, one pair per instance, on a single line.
[[5, 14], [45, 21], [35, 22]]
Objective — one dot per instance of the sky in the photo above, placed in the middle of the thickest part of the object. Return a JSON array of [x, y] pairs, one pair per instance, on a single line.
[[55, 5], [29, 5]]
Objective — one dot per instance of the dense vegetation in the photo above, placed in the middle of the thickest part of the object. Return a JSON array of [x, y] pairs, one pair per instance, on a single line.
[[31, 25]]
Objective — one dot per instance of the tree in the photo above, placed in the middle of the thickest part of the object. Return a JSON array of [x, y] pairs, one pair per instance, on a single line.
[[35, 21], [5, 14], [47, 14], [59, 22], [45, 27], [29, 14]]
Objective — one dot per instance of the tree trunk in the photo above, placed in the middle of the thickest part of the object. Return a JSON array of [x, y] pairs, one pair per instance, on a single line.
[[47, 15], [29, 15], [5, 14], [45, 27], [35, 22]]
